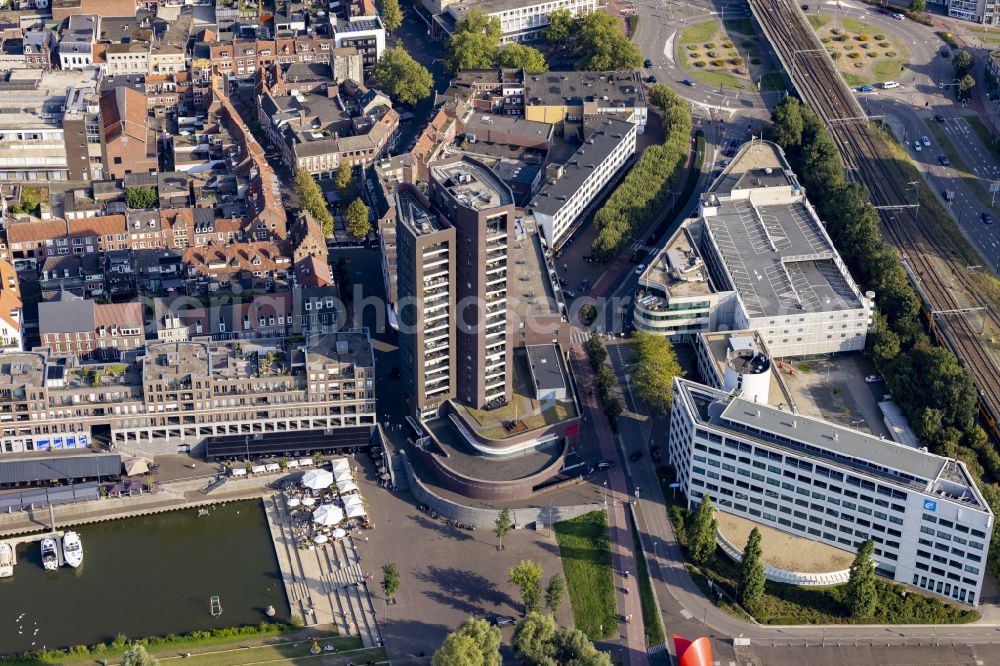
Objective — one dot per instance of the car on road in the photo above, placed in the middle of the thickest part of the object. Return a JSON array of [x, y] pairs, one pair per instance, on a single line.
[[639, 269], [635, 455], [605, 464], [865, 89], [949, 195], [889, 85], [688, 82], [938, 117], [503, 620], [648, 63], [655, 454], [805, 8], [873, 379], [898, 16], [568, 294], [925, 140], [986, 217], [943, 159], [651, 79], [917, 147]]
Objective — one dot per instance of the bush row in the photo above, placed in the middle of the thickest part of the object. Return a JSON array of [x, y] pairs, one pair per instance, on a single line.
[[641, 195]]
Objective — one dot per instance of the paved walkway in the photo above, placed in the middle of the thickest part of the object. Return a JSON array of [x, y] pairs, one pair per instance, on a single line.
[[324, 585], [622, 557]]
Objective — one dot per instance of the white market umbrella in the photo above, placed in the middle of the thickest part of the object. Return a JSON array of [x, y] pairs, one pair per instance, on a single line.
[[346, 486], [320, 538], [339, 533], [308, 501], [294, 502], [356, 512], [317, 479], [328, 514]]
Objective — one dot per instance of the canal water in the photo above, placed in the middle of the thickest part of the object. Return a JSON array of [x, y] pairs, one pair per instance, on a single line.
[[146, 576]]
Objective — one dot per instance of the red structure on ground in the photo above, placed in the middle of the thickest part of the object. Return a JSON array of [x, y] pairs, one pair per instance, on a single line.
[[696, 653]]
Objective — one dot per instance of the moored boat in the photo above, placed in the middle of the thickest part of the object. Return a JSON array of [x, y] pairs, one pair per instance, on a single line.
[[50, 558], [72, 549]]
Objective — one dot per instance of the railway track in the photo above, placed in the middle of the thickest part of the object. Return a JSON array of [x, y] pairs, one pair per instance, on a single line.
[[935, 270]]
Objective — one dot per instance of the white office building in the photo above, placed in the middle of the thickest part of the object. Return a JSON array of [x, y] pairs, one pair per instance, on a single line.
[[520, 20], [832, 484], [574, 185], [757, 257]]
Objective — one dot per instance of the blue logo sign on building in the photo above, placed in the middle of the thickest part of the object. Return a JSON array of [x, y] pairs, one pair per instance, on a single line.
[[930, 505]]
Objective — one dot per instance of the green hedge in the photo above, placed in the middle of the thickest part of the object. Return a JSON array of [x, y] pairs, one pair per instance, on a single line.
[[641, 195]]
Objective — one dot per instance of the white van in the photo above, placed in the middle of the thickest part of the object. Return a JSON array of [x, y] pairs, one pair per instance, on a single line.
[[889, 85]]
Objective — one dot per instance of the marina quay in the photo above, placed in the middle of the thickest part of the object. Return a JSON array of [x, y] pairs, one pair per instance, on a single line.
[[173, 395]]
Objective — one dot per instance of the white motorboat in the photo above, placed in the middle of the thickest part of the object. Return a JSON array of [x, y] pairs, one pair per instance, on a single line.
[[50, 558], [6, 560], [72, 549]]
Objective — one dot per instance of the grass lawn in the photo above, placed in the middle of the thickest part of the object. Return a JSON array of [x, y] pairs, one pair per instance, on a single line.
[[717, 79], [817, 21], [853, 79], [859, 26], [983, 132], [887, 70], [699, 33], [298, 654], [652, 621], [773, 81], [741, 25], [585, 549], [788, 604]]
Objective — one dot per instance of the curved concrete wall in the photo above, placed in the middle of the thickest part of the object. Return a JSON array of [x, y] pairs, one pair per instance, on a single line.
[[486, 518], [779, 575]]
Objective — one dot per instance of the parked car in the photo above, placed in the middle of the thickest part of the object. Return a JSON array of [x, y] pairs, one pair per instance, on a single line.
[[503, 620], [943, 159], [873, 379], [898, 16], [865, 89], [949, 195], [917, 147], [639, 269], [635, 455], [938, 117], [889, 85], [651, 79], [805, 8], [986, 217], [925, 140], [688, 82], [655, 454], [648, 63], [605, 464]]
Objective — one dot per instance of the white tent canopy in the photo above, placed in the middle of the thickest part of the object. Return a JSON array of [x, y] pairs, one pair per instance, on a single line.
[[328, 514], [346, 486], [353, 500], [356, 511], [342, 476], [317, 479], [340, 464]]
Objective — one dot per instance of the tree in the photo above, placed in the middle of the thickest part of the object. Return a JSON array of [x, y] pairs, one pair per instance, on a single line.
[[962, 62], [358, 224], [136, 655], [538, 642], [392, 16], [561, 26], [918, 5], [752, 573], [458, 650], [502, 526], [390, 581], [595, 350], [861, 589], [965, 86], [653, 370], [403, 77], [701, 532], [603, 47], [141, 197], [788, 124], [474, 643], [518, 56], [554, 593], [343, 178], [534, 638], [311, 199], [475, 42], [661, 96], [527, 577]]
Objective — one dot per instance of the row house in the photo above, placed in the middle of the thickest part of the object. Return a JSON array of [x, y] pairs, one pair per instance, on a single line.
[[243, 58], [128, 143], [257, 265], [91, 330], [81, 274], [11, 317]]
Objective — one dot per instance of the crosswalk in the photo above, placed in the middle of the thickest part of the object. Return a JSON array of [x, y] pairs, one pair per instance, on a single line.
[[637, 245], [580, 337]]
